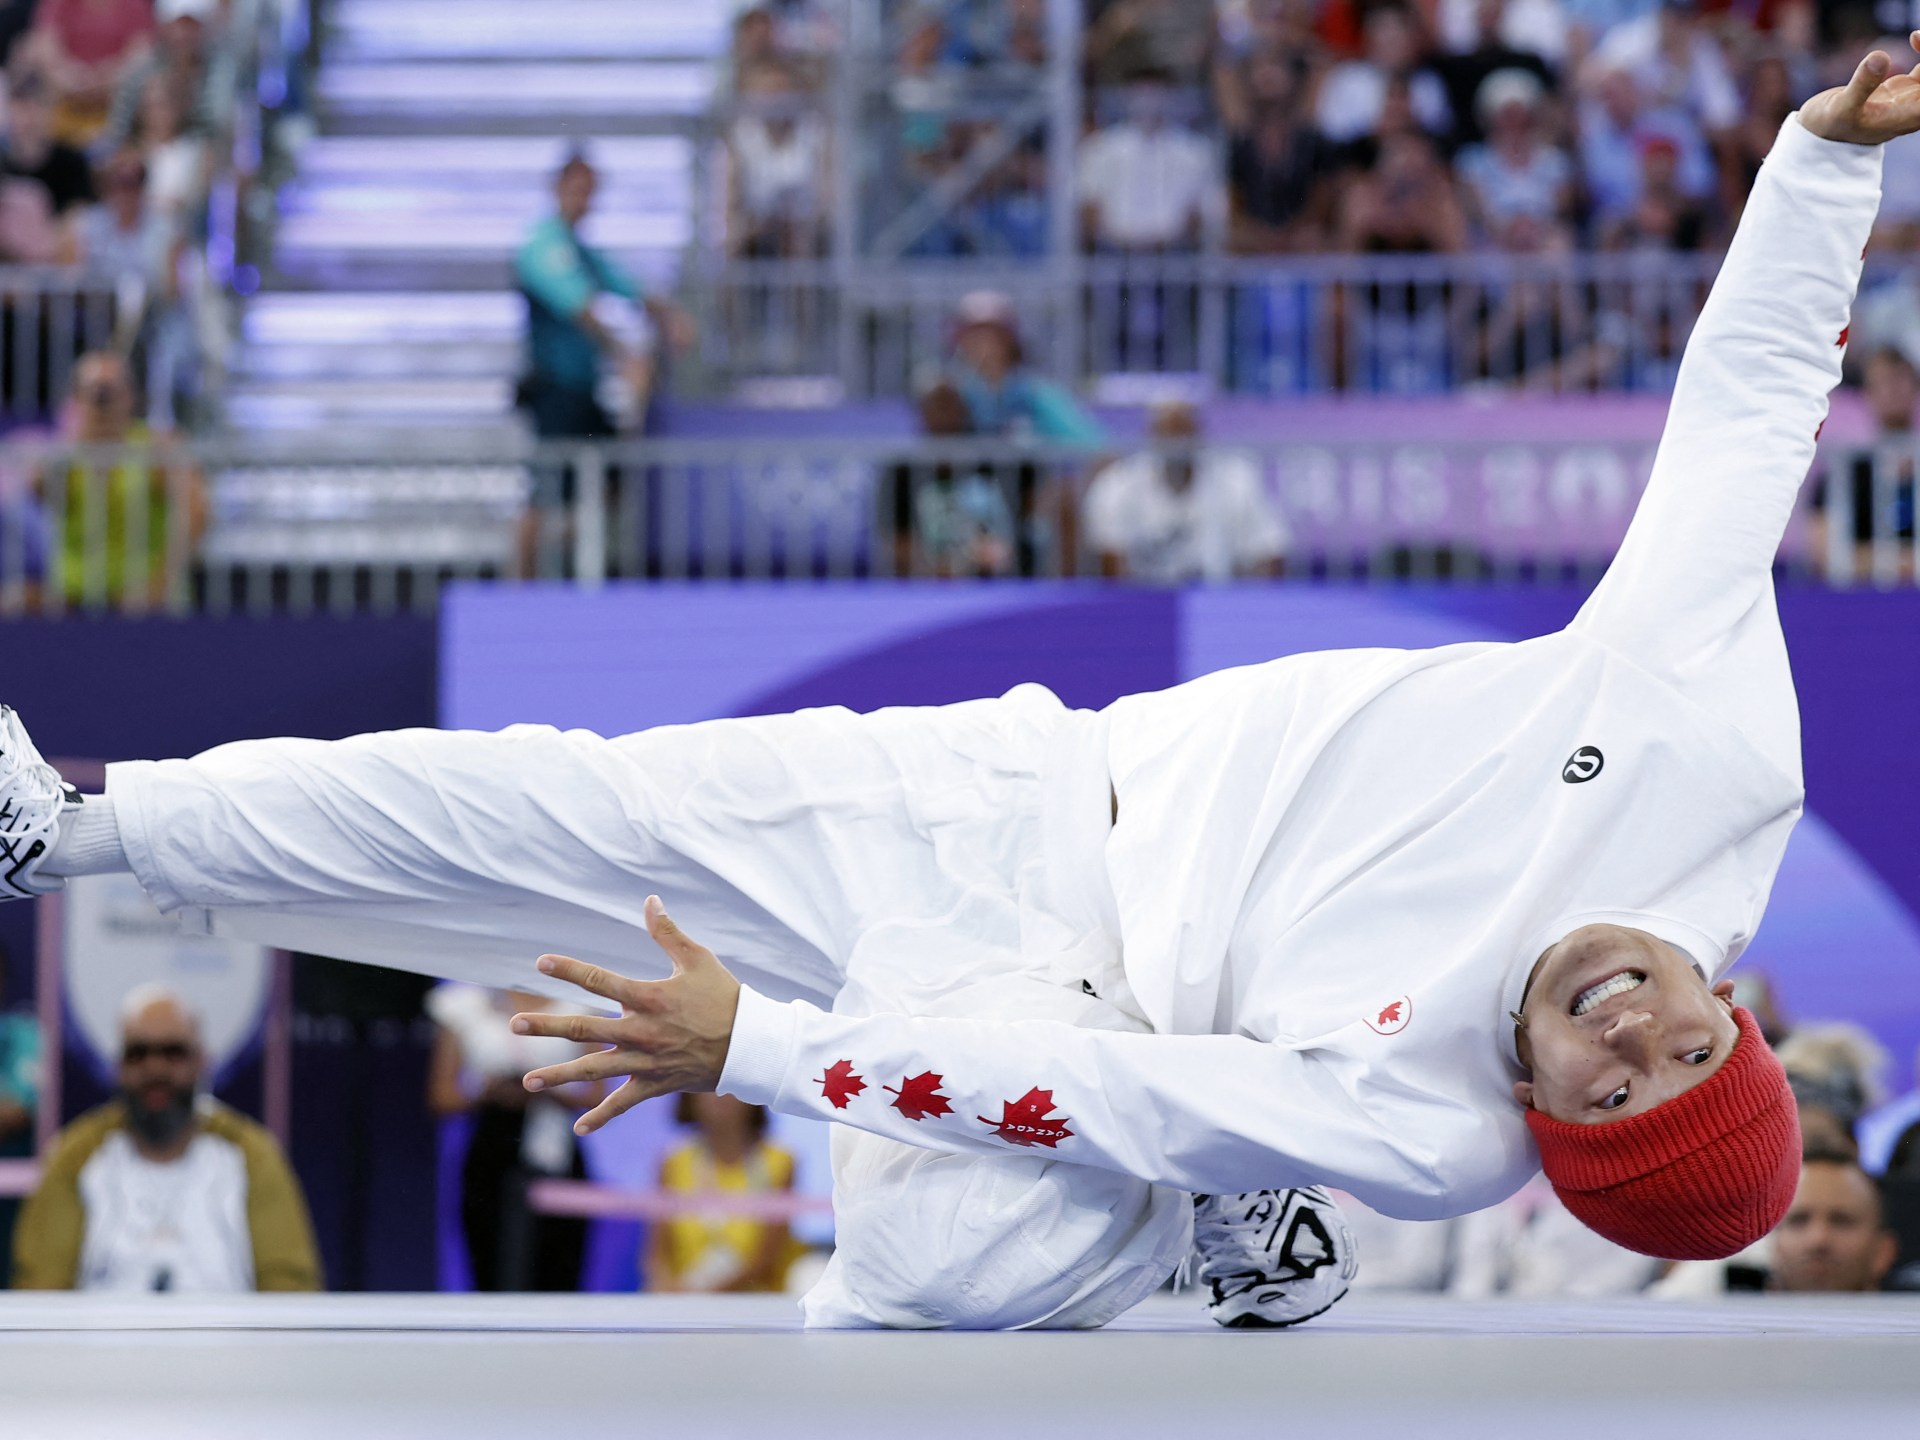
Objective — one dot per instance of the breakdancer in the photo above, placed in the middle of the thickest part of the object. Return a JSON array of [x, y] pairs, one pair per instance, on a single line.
[[1411, 923]]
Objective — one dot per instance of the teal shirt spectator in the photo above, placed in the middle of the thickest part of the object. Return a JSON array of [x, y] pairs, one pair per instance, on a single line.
[[560, 273], [19, 1060], [1027, 407]]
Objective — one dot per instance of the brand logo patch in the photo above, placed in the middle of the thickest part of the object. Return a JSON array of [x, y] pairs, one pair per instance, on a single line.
[[1582, 765], [1391, 1019]]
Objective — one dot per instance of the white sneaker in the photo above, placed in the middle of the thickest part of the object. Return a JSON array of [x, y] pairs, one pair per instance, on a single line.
[[32, 796], [1271, 1257]]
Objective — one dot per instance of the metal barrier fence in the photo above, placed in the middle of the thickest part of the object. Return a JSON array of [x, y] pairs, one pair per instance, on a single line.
[[229, 528], [1361, 324], [49, 317]]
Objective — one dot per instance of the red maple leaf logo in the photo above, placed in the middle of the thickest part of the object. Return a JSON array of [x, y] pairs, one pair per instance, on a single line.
[[1390, 1015], [840, 1084], [1024, 1121], [920, 1096], [1841, 342]]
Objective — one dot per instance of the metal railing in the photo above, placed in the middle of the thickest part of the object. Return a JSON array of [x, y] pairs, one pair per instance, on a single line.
[[222, 528], [1358, 324], [51, 315]]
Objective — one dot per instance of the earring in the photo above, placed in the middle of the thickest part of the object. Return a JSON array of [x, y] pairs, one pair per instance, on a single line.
[[1519, 1020]]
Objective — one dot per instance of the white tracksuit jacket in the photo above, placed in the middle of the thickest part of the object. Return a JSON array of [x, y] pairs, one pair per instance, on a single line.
[[1333, 873]]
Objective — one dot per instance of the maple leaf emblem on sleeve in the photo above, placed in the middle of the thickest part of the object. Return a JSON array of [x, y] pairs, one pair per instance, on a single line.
[[840, 1084], [919, 1096], [1024, 1121]]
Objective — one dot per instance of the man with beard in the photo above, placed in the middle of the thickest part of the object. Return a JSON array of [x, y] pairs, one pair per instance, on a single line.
[[164, 1188]]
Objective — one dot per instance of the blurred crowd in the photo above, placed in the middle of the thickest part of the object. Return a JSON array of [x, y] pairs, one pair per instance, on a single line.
[[1289, 126], [118, 115]]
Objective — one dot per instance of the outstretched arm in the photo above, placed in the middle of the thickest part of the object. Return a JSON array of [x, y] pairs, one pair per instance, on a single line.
[[1752, 390], [1211, 1113]]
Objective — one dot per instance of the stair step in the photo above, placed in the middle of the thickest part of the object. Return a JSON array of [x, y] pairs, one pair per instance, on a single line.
[[489, 159], [291, 361], [511, 29], [675, 89]]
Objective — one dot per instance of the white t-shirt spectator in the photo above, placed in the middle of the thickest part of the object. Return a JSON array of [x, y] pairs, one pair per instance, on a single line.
[[779, 177], [1148, 184], [1220, 526], [178, 1225], [1703, 84]]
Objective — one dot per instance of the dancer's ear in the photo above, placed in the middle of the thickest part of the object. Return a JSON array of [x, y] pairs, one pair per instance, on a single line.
[[1523, 1092]]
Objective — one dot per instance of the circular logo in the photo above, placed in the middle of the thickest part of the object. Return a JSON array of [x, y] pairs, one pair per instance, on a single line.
[[1582, 765], [1391, 1019]]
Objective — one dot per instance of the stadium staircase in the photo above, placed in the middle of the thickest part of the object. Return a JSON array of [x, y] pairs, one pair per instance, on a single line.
[[387, 321]]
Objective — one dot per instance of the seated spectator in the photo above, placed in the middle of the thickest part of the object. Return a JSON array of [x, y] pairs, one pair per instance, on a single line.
[[44, 185], [516, 1138], [1519, 187], [1504, 31], [1280, 170], [118, 237], [730, 1155], [163, 1187], [177, 161], [779, 154], [1615, 129], [190, 52], [1835, 1067], [1405, 205], [1183, 511], [1890, 1135], [952, 519], [1675, 63], [1834, 1237], [83, 47], [1879, 505], [1126, 38], [23, 551], [1354, 93], [95, 499], [1770, 99], [1485, 51], [1146, 184], [1663, 216]]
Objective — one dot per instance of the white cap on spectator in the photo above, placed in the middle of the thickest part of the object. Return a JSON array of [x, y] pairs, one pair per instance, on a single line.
[[1506, 87], [166, 11]]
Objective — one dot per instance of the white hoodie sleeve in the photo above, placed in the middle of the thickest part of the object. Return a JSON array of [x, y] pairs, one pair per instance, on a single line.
[[1208, 1113], [1750, 399]]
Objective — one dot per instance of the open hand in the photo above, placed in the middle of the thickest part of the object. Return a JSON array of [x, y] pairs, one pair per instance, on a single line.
[[1877, 105], [670, 1034]]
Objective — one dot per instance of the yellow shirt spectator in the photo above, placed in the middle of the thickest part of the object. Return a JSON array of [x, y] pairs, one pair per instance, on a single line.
[[695, 1252]]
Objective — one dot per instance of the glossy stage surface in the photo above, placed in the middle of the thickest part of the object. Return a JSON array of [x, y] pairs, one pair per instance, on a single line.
[[368, 1367]]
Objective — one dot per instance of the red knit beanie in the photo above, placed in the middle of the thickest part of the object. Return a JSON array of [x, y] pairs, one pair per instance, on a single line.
[[1700, 1177]]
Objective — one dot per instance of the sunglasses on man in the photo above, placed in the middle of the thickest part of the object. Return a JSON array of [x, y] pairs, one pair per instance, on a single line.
[[174, 1051]]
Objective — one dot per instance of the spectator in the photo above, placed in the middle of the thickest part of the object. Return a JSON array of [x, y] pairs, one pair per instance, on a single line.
[[951, 519], [98, 497], [83, 47], [23, 552], [177, 161], [1770, 100], [1877, 532], [16, 23], [19, 1087], [1485, 51], [1183, 511], [1519, 187], [163, 1187], [190, 52], [1146, 184], [1834, 1238], [729, 1155], [1536, 29], [572, 289], [779, 171], [1675, 63], [1128, 38], [1837, 1067], [516, 1138], [1887, 1128], [118, 237], [1004, 397], [1406, 204], [1615, 130], [1664, 217], [1281, 170], [43, 183], [1353, 97]]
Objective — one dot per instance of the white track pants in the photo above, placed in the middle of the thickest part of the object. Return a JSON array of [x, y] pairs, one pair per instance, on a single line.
[[926, 861]]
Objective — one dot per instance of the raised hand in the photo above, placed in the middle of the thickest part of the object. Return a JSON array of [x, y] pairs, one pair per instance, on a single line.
[[670, 1034], [1877, 105]]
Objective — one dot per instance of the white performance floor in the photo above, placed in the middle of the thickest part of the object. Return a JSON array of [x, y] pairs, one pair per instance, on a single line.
[[352, 1367]]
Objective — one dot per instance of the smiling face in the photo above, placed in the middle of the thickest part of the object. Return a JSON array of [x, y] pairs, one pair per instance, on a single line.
[[1616, 1022]]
